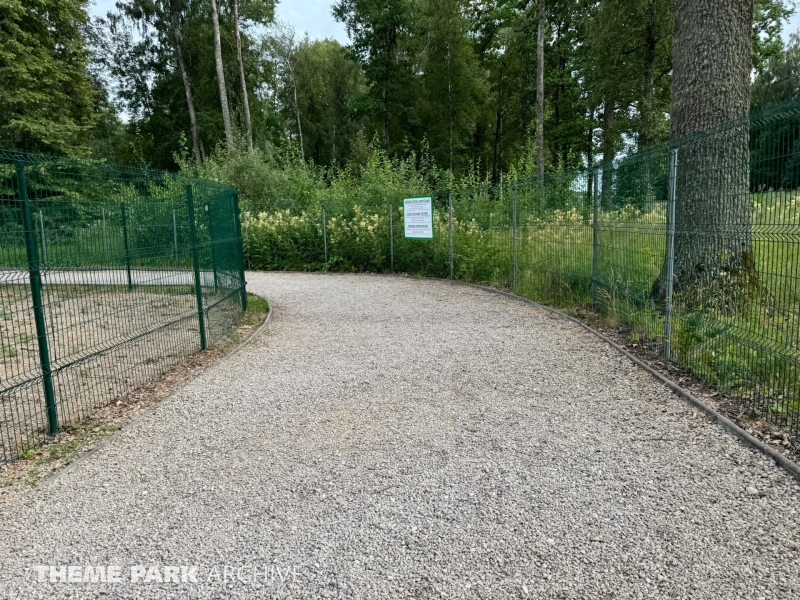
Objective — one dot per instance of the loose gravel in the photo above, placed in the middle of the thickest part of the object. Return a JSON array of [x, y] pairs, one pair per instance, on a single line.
[[396, 438]]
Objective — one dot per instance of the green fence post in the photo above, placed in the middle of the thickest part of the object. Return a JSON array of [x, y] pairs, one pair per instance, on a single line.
[[450, 217], [36, 295], [325, 237], [514, 238], [175, 231], [595, 238], [198, 289], [391, 240], [242, 282], [125, 245], [673, 176], [211, 244]]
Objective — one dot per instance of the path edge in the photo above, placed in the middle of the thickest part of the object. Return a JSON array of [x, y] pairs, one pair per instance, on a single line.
[[787, 464], [61, 473]]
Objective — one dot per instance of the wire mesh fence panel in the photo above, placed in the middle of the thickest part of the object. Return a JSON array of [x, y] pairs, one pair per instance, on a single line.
[[482, 235], [98, 287], [736, 271], [555, 239], [691, 249], [632, 226]]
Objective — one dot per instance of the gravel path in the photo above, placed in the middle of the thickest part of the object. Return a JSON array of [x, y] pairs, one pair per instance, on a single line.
[[394, 438]]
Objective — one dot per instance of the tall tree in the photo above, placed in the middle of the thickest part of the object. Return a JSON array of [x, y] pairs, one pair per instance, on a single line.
[[652, 23], [627, 62], [451, 86], [248, 123], [47, 98], [223, 90], [769, 17], [381, 34], [282, 46], [506, 38], [145, 76], [260, 12], [540, 90], [501, 128], [712, 62], [565, 115], [168, 19], [177, 34], [328, 84], [779, 79]]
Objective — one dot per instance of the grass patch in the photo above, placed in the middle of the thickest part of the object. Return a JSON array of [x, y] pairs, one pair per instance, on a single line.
[[257, 309]]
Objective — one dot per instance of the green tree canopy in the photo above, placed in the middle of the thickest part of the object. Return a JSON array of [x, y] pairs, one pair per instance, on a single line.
[[47, 97]]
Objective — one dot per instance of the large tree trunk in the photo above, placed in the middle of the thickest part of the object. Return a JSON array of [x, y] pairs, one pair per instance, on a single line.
[[178, 39], [540, 91], [223, 90], [711, 88], [248, 124]]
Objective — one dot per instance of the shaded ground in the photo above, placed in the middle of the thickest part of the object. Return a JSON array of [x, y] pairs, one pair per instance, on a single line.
[[397, 438]]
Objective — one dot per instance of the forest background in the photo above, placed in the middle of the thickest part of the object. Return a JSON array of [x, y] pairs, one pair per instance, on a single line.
[[428, 92]]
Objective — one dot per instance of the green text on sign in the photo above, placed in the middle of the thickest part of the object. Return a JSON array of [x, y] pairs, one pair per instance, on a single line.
[[418, 217]]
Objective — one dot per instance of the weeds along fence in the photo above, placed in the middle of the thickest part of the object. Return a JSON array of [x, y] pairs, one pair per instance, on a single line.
[[108, 277], [691, 249]]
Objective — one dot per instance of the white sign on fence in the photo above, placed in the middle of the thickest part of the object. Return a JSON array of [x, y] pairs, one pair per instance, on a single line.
[[418, 217]]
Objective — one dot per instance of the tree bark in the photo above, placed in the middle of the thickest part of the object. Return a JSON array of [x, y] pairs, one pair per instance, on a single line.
[[223, 91], [178, 40], [711, 88], [245, 101], [540, 91]]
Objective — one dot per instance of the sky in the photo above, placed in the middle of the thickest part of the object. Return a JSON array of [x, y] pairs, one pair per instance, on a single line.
[[792, 26], [314, 17]]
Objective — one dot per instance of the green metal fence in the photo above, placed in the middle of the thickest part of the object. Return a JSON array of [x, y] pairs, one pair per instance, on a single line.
[[691, 249], [108, 277]]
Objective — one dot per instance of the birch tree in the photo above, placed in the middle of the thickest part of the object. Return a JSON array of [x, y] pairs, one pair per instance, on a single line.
[[281, 45], [223, 90]]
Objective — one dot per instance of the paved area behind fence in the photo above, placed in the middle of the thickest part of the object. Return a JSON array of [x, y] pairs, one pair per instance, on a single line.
[[395, 438]]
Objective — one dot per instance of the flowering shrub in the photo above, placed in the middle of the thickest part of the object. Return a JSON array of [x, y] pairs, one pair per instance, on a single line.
[[282, 241]]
